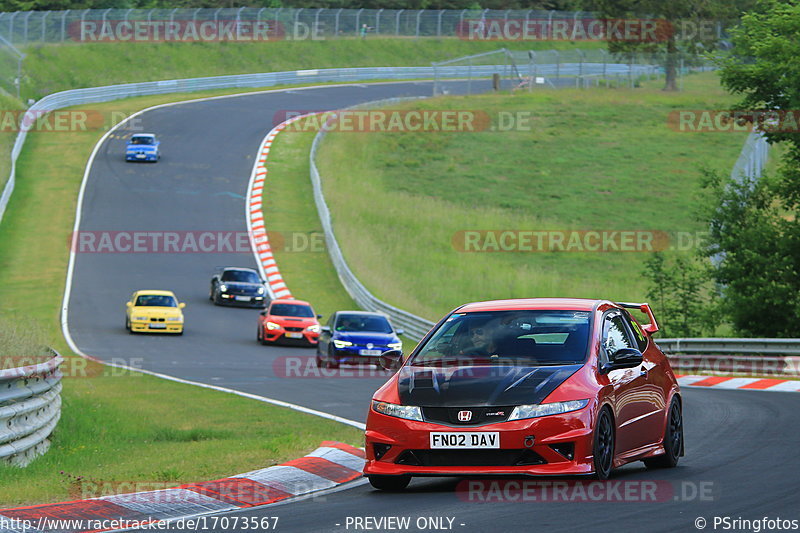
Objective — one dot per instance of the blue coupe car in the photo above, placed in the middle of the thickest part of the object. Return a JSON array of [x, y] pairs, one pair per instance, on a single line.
[[142, 147], [356, 337]]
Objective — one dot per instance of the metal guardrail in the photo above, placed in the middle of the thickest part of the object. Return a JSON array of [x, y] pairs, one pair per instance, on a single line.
[[414, 327], [269, 79], [731, 346], [30, 407]]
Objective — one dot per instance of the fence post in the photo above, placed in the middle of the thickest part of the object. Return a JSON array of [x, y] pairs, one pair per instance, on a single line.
[[64, 25], [44, 25], [419, 14], [439, 24], [25, 34], [336, 22], [378, 22], [397, 23], [358, 20], [316, 22]]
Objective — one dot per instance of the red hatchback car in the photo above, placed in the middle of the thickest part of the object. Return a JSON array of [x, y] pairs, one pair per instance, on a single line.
[[289, 321], [530, 386]]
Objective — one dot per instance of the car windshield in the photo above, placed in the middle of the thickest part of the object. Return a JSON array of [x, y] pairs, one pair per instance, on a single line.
[[156, 300], [142, 139], [243, 276], [526, 337], [370, 323], [298, 310]]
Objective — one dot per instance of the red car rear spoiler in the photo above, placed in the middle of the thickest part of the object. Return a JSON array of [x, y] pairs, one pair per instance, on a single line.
[[650, 328]]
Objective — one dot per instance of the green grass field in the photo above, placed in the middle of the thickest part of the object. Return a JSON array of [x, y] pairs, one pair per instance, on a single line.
[[598, 160], [117, 426], [51, 68]]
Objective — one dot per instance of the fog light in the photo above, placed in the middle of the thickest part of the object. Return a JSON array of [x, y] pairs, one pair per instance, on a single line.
[[380, 449]]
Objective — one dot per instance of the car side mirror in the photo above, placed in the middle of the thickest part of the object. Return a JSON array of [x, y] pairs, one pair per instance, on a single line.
[[263, 313], [182, 305], [399, 332], [391, 360], [128, 304], [319, 316], [625, 358], [325, 329]]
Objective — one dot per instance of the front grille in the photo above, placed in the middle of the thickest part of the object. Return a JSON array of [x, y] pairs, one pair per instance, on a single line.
[[292, 329], [156, 320], [480, 416], [470, 458]]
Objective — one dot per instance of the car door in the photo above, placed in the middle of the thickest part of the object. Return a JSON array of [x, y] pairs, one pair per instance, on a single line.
[[656, 388], [631, 408], [325, 335]]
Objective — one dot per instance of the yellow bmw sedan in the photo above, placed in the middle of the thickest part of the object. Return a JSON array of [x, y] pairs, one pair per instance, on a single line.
[[154, 312]]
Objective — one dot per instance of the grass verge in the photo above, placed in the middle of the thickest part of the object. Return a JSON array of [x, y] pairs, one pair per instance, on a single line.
[[602, 160], [288, 205], [57, 67], [108, 430]]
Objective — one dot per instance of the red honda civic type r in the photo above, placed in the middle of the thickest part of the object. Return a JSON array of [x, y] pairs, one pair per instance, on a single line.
[[530, 386]]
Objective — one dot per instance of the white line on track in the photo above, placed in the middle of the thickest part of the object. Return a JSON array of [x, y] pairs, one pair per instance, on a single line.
[[71, 270]]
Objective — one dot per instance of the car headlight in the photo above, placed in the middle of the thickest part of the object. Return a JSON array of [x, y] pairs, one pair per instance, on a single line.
[[141, 318], [544, 409], [341, 344], [174, 318], [261, 290], [273, 325], [223, 287], [395, 345], [409, 412], [313, 328]]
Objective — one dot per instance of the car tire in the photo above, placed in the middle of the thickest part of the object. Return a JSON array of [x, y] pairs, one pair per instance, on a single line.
[[260, 337], [331, 362], [211, 293], [128, 325], [603, 442], [389, 483], [673, 439]]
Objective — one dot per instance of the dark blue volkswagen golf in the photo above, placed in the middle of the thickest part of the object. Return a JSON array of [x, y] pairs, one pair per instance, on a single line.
[[356, 337]]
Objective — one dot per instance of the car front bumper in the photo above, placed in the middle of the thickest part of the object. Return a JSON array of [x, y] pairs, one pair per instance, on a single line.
[[409, 443], [254, 300], [146, 327]]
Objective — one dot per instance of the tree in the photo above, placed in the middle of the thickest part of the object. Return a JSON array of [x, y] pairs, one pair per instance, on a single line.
[[690, 27], [764, 70], [679, 290], [754, 245]]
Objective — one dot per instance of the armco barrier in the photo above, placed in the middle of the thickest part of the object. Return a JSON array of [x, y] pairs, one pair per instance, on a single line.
[[269, 79], [30, 407]]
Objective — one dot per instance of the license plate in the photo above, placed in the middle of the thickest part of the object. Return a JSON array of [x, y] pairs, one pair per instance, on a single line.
[[294, 335], [141, 156], [158, 326], [369, 352], [465, 440], [242, 298]]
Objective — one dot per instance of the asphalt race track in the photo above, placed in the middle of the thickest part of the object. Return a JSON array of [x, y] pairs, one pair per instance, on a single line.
[[741, 446]]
